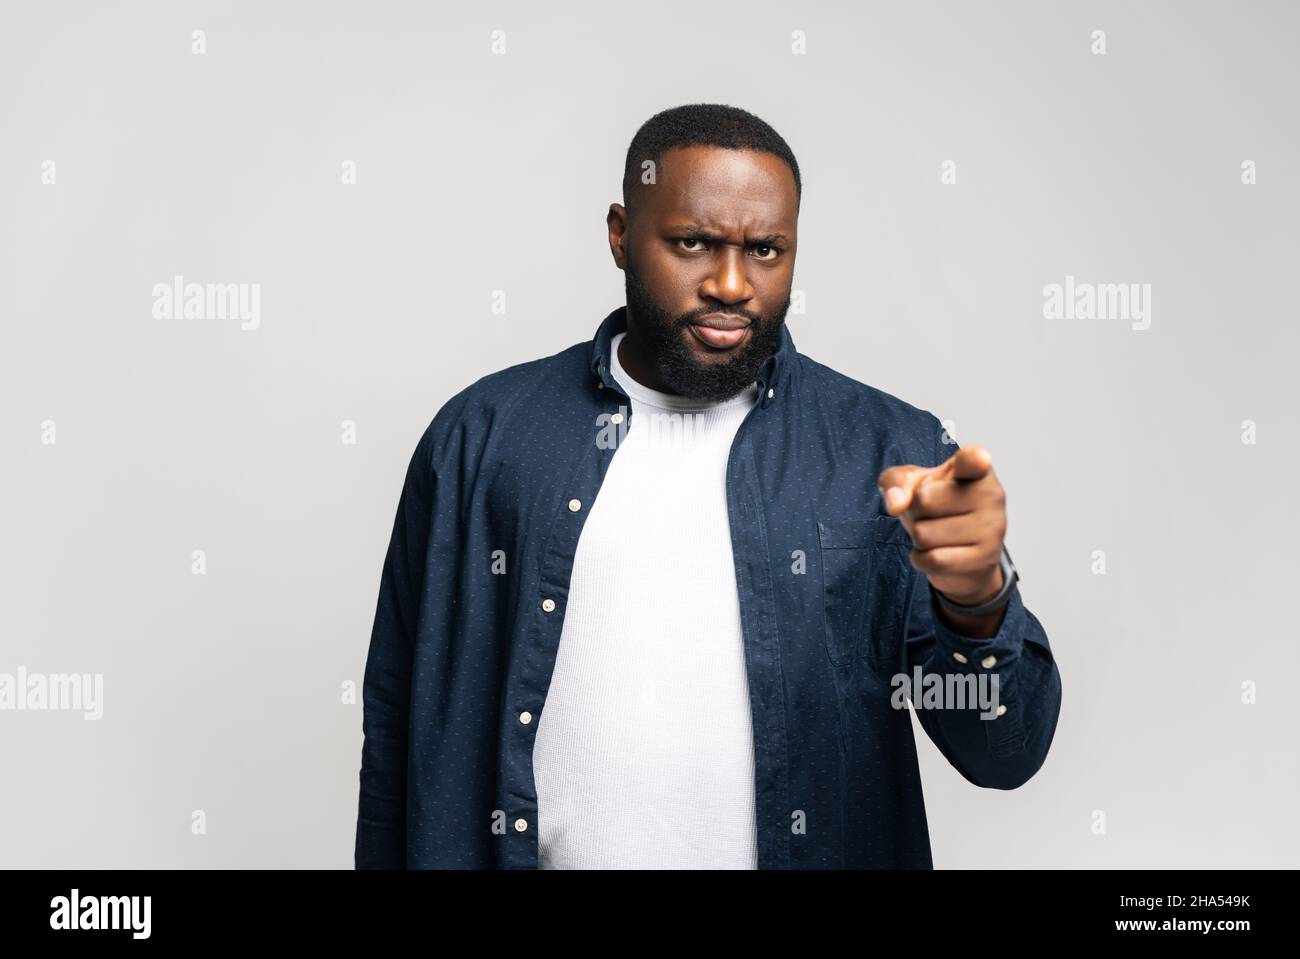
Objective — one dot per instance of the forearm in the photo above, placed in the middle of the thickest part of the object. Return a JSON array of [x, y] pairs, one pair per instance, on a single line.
[[381, 807], [1001, 740], [386, 688]]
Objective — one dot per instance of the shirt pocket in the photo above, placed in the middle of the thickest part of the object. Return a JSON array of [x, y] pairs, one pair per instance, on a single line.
[[866, 588]]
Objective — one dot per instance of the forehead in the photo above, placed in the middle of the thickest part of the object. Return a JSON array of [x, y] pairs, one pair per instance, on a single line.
[[718, 186]]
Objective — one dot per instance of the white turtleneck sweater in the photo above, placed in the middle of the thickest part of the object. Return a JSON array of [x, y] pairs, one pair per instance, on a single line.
[[644, 756]]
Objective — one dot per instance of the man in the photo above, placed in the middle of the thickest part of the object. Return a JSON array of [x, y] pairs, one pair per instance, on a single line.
[[696, 668]]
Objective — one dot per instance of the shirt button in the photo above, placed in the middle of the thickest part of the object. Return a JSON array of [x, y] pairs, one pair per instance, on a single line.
[[988, 662], [959, 657], [575, 505], [616, 418], [525, 717], [521, 825], [1002, 709], [771, 393], [548, 605]]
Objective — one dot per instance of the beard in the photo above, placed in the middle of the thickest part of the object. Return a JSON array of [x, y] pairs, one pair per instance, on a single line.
[[664, 336]]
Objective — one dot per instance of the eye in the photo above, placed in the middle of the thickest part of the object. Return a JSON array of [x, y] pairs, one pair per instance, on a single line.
[[771, 252]]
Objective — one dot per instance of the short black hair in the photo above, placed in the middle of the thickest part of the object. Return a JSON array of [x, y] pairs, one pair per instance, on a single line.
[[701, 124]]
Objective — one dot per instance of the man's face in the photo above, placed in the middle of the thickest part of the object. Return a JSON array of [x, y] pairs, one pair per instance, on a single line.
[[715, 235]]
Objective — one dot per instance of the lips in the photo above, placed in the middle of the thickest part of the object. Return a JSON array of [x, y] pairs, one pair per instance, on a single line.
[[720, 330]]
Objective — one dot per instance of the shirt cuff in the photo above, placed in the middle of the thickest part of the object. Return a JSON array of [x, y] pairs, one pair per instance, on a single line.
[[963, 653]]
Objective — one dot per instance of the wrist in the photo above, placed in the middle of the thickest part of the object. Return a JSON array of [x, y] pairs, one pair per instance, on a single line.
[[976, 627], [984, 610], [985, 593]]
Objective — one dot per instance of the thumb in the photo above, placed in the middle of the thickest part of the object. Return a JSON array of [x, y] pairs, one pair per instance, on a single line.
[[970, 463]]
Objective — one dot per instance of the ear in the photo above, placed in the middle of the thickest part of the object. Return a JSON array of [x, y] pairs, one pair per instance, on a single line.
[[617, 220]]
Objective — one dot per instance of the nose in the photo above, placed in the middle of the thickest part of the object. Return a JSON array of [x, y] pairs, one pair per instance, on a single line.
[[729, 284]]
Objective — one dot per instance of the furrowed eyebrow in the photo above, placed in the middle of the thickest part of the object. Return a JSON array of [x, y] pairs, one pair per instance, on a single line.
[[700, 233]]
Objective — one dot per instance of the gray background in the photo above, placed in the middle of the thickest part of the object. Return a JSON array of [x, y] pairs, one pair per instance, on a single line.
[[479, 172]]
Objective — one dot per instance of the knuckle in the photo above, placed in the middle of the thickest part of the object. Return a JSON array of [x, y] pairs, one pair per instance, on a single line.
[[920, 499], [923, 498]]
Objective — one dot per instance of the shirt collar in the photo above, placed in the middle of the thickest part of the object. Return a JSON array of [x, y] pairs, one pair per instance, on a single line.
[[771, 375]]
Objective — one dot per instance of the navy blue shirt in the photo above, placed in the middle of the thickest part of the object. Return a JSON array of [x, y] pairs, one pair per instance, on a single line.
[[472, 599]]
